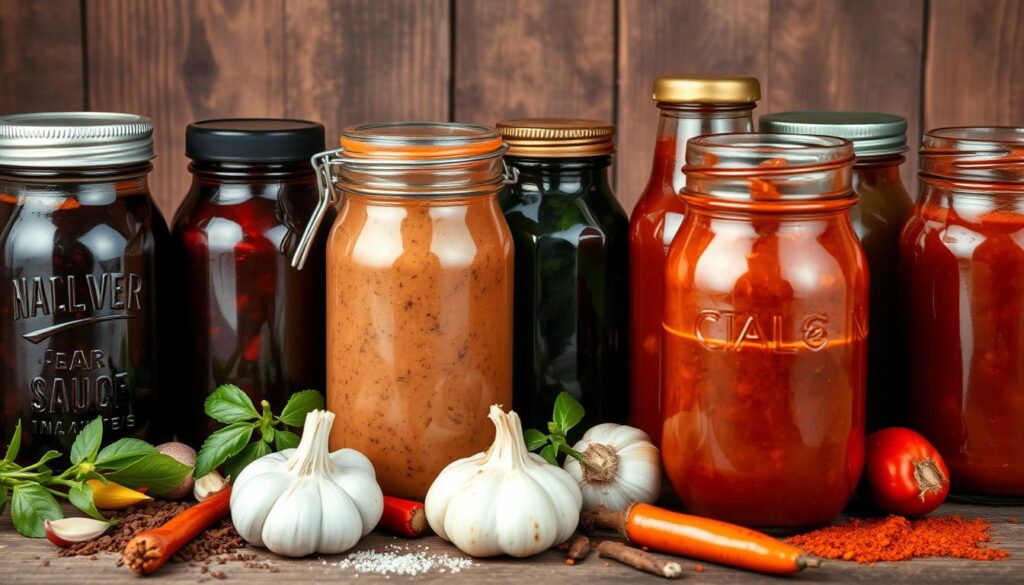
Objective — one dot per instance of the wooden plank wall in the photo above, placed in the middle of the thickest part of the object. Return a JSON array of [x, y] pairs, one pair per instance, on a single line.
[[938, 62]]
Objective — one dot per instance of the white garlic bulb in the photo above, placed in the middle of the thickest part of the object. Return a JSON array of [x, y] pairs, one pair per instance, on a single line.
[[505, 500], [621, 467], [305, 500]]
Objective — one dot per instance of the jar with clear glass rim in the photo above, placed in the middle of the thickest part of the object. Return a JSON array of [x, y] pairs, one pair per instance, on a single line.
[[962, 261], [687, 107], [419, 296], [765, 332]]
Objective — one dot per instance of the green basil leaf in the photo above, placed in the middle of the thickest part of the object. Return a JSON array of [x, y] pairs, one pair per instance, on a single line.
[[299, 405], [285, 440], [534, 439], [80, 496], [267, 433], [122, 452], [550, 454], [568, 412], [229, 404], [87, 443], [31, 505], [160, 473], [3, 498], [15, 444], [253, 451], [220, 445]]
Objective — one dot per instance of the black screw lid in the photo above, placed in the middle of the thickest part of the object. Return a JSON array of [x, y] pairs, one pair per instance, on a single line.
[[253, 140]]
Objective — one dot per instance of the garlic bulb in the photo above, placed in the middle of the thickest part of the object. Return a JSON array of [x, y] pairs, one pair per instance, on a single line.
[[304, 500], [620, 467], [505, 500]]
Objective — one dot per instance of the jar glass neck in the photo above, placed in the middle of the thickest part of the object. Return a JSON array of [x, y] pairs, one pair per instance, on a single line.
[[678, 123], [246, 171], [135, 174]]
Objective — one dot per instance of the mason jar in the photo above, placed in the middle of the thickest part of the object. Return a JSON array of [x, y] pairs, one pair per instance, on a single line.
[[80, 278], [962, 261], [765, 332], [248, 317], [419, 296]]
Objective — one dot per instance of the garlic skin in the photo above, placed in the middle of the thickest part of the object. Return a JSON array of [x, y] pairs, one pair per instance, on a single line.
[[623, 467], [304, 500], [208, 485], [505, 500]]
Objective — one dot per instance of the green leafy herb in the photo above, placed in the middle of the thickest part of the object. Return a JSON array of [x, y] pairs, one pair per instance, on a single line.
[[567, 414], [33, 489], [233, 446]]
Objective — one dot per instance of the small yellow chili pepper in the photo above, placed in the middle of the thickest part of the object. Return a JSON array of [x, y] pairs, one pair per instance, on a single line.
[[113, 496]]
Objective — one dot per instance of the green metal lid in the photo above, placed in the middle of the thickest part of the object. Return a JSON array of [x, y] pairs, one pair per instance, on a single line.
[[873, 134]]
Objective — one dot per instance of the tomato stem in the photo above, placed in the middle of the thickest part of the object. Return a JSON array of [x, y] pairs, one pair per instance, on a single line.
[[928, 477]]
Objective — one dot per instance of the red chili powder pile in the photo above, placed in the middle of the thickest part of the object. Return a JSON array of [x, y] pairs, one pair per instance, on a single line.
[[897, 539]]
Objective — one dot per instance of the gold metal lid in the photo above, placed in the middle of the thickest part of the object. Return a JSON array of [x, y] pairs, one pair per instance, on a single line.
[[707, 90], [557, 137]]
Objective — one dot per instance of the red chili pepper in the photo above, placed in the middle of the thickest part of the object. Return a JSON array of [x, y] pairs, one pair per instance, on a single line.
[[252, 349], [904, 474], [403, 517]]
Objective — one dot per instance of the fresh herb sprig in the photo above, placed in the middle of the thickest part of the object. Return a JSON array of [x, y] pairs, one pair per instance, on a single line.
[[567, 414], [33, 489], [231, 446]]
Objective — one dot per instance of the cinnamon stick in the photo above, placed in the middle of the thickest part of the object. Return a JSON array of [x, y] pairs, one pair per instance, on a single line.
[[639, 559], [579, 547]]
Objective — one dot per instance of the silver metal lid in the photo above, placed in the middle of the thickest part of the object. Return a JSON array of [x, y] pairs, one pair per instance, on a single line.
[[74, 139], [872, 134]]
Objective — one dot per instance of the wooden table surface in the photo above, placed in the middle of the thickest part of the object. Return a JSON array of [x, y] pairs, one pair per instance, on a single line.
[[24, 560]]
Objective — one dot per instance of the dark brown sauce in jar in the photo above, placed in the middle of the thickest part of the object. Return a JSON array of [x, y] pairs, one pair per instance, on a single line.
[[79, 280]]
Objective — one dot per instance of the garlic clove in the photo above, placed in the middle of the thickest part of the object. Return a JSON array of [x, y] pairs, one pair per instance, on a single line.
[[68, 531], [338, 532], [292, 528], [208, 485], [354, 474], [249, 511]]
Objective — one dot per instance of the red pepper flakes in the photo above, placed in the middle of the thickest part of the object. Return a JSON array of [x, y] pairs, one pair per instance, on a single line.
[[698, 568], [570, 562], [897, 539]]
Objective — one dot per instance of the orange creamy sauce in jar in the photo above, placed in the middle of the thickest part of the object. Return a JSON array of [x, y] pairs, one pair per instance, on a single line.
[[419, 303]]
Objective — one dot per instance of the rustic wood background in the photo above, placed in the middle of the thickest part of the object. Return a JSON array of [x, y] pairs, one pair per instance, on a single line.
[[937, 62]]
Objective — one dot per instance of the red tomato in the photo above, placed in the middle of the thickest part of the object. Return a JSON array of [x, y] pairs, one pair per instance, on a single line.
[[903, 473]]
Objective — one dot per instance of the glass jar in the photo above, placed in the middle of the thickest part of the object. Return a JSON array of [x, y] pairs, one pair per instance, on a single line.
[[883, 204], [571, 284], [419, 297], [688, 107], [765, 332], [247, 317], [82, 242], [962, 258]]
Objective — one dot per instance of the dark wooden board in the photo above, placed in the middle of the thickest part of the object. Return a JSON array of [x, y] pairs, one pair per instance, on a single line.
[[25, 560], [974, 73], [862, 55], [533, 58], [182, 61], [355, 61], [41, 56], [683, 37]]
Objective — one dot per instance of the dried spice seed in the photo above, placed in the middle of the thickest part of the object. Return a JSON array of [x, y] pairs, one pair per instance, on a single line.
[[220, 539]]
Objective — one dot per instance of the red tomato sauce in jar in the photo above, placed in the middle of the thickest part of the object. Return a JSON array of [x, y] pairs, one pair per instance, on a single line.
[[962, 258], [688, 107], [765, 332]]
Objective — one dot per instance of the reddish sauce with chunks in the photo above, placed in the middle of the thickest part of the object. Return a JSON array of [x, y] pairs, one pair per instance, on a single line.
[[962, 255], [765, 333]]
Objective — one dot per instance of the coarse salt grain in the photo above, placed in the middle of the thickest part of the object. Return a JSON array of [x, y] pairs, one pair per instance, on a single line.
[[394, 561]]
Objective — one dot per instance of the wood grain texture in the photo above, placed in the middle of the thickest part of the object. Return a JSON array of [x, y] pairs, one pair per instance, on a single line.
[[40, 56], [24, 560], [534, 58], [974, 74], [679, 37], [354, 61], [861, 55], [179, 61]]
